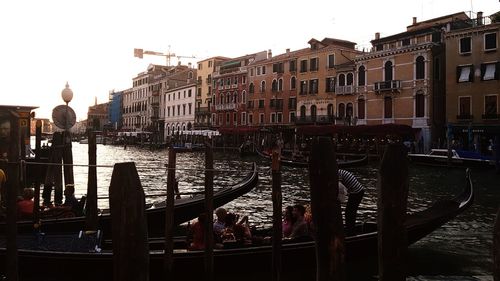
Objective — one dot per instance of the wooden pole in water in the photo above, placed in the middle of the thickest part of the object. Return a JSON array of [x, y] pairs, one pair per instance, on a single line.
[[67, 156], [38, 169], [392, 188], [129, 226], [496, 248], [91, 206], [57, 141], [277, 214], [12, 188], [209, 210], [169, 216], [326, 211]]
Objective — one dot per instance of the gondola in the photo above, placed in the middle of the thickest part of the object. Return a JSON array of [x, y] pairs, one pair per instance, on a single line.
[[304, 164], [439, 157], [185, 209], [248, 263]]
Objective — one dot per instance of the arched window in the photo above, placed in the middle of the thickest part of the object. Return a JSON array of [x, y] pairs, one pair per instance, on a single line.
[[350, 78], [221, 99], [235, 97], [293, 83], [419, 104], [341, 110], [313, 112], [303, 112], [251, 88], [361, 76], [349, 110], [262, 86], [274, 86], [243, 97], [420, 68], [190, 75], [387, 107], [280, 84], [329, 110], [361, 108], [213, 99], [342, 80], [388, 71]]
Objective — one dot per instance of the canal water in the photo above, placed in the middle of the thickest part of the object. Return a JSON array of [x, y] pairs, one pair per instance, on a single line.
[[460, 250]]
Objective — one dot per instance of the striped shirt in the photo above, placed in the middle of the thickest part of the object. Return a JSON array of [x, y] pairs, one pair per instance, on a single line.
[[350, 182]]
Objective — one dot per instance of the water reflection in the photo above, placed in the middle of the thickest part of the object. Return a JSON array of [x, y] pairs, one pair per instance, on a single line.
[[464, 242]]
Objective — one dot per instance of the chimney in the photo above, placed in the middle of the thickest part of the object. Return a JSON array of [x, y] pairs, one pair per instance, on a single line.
[[95, 100], [377, 35], [288, 50], [269, 54], [414, 20], [479, 18]]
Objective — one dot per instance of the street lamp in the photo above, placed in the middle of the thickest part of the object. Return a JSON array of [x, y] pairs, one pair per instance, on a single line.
[[67, 94]]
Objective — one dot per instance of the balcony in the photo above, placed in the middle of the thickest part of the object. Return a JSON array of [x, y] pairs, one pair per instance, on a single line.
[[464, 117], [344, 90], [490, 116], [388, 86], [226, 106]]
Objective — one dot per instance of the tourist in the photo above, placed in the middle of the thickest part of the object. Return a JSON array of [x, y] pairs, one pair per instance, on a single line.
[[355, 191], [300, 229], [287, 221], [235, 231], [219, 223], [26, 204], [197, 230], [70, 200]]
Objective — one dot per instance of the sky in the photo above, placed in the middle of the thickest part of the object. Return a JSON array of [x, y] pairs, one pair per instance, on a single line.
[[90, 43]]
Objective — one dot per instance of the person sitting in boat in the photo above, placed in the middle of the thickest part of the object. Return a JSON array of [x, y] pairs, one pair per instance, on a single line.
[[300, 229], [355, 192], [219, 223], [26, 204], [70, 200], [287, 221], [198, 233], [236, 232]]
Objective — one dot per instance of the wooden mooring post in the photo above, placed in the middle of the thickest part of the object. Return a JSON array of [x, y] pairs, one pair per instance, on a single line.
[[169, 216], [277, 215], [91, 205], [129, 225], [12, 186], [53, 178], [326, 211], [67, 157], [392, 188], [209, 210], [38, 169], [496, 248]]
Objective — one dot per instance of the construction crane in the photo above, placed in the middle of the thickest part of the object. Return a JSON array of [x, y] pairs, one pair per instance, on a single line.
[[139, 53]]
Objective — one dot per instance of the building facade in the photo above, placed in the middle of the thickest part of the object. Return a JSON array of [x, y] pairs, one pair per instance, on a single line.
[[472, 82], [115, 110]]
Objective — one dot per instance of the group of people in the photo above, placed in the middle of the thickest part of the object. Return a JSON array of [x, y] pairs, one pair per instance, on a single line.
[[228, 228]]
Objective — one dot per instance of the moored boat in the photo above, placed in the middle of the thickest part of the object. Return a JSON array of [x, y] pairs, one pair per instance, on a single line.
[[303, 163], [439, 157], [298, 259]]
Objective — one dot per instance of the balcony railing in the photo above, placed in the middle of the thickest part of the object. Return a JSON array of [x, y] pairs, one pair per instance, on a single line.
[[391, 85], [491, 116], [226, 106], [464, 117], [344, 90]]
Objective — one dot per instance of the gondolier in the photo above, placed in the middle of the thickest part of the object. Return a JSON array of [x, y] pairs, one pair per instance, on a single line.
[[355, 191]]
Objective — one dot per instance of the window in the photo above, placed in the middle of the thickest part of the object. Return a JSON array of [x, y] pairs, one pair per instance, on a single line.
[[379, 47], [261, 103], [279, 117], [490, 41], [342, 80], [235, 118], [273, 117], [293, 83], [464, 73], [331, 61], [361, 108], [274, 86], [361, 76], [251, 71], [258, 70], [228, 118], [465, 45], [189, 108], [303, 65], [350, 78], [329, 110], [341, 110], [314, 64], [464, 104], [420, 68], [489, 71], [243, 97], [303, 87], [419, 104], [263, 70], [387, 107], [292, 103], [292, 116], [209, 63], [314, 112], [388, 71], [250, 118], [261, 118], [405, 42], [303, 112], [292, 66], [251, 88], [490, 105], [262, 86], [280, 84], [330, 85], [313, 86]]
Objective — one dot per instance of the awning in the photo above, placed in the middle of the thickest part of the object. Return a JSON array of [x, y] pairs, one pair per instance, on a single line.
[[238, 130]]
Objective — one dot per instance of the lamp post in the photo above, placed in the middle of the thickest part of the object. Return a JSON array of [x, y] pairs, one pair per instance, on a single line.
[[67, 96]]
